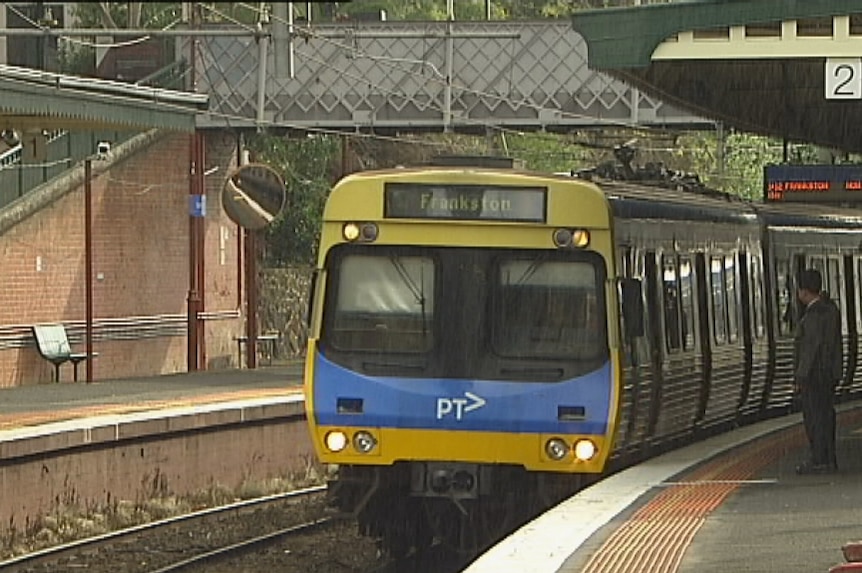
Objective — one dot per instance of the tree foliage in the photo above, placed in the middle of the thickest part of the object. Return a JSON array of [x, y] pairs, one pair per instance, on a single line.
[[307, 165], [739, 170]]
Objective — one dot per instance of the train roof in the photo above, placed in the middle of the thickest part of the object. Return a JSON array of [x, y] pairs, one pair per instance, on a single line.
[[648, 200], [630, 200], [635, 199]]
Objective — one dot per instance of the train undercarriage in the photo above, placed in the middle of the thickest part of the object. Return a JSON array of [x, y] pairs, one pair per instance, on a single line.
[[413, 505]]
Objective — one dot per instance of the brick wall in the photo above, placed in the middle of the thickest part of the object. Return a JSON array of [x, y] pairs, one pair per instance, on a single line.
[[140, 266]]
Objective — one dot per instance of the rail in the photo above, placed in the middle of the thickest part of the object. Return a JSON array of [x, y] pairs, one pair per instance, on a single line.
[[136, 541]]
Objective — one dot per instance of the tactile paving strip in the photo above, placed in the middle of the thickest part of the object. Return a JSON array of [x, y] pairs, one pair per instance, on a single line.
[[656, 536]]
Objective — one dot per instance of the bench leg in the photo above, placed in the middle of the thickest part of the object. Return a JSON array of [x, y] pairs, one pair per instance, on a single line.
[[56, 373], [75, 366]]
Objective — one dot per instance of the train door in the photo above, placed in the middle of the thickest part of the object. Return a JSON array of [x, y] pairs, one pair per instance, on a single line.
[[856, 382], [835, 286], [636, 356], [747, 303], [704, 330], [654, 332], [851, 321], [757, 342]]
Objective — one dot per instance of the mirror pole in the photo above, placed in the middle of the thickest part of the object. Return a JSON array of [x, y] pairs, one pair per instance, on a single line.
[[251, 290]]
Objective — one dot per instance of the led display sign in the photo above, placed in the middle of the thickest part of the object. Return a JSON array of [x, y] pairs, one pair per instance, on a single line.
[[465, 202], [813, 183]]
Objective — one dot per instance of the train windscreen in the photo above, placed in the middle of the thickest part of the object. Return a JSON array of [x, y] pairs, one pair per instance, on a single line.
[[465, 312]]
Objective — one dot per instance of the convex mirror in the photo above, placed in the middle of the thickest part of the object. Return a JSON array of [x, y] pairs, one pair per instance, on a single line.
[[253, 196]]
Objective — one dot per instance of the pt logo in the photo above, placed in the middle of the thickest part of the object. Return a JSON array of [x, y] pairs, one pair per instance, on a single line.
[[458, 406]]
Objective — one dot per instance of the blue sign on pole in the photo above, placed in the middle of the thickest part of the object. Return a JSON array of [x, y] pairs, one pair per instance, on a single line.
[[198, 205]]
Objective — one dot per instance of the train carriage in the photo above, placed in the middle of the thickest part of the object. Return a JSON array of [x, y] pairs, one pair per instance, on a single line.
[[694, 255], [485, 340]]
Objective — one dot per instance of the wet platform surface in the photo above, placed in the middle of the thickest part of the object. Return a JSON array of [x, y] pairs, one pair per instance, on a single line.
[[45, 403], [730, 503], [733, 503]]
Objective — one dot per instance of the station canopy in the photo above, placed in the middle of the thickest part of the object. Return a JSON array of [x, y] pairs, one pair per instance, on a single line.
[[34, 99], [789, 69]]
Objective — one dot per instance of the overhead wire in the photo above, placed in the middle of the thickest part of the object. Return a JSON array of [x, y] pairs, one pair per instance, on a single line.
[[387, 60], [441, 79], [405, 96], [487, 124], [395, 62]]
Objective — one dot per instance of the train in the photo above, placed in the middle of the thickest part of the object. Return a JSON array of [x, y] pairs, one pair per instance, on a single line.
[[485, 340]]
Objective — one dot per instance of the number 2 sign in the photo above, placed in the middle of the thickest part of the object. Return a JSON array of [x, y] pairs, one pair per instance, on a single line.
[[843, 78]]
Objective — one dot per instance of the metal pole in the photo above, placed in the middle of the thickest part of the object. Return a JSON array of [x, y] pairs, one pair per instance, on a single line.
[[291, 63], [239, 234], [193, 296], [200, 239], [450, 56], [251, 240], [88, 265], [263, 43], [280, 39]]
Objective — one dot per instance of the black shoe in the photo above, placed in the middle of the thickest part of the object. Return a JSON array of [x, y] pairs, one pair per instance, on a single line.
[[809, 469]]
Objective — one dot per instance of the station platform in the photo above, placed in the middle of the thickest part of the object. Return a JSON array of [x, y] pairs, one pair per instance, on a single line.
[[38, 405], [731, 503]]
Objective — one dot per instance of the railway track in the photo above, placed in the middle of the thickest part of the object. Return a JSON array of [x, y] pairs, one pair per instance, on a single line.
[[202, 539]]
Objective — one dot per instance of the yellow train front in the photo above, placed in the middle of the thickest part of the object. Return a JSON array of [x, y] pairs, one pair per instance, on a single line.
[[462, 365]]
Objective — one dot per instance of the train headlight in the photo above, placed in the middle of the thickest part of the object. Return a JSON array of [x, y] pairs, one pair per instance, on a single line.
[[556, 449], [577, 238], [580, 238], [363, 442], [350, 231], [336, 441], [362, 232], [585, 450]]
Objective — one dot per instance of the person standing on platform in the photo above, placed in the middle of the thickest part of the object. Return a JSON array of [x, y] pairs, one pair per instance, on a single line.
[[818, 369]]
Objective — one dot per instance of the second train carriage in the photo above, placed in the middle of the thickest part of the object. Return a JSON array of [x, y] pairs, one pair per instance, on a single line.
[[432, 377]]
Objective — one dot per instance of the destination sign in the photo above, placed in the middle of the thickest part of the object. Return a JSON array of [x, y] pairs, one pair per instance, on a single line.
[[465, 202], [813, 183]]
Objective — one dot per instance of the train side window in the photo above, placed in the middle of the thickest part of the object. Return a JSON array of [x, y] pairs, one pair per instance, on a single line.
[[784, 295], [859, 290], [686, 288], [833, 287], [670, 299], [757, 295], [819, 263], [719, 310], [731, 294]]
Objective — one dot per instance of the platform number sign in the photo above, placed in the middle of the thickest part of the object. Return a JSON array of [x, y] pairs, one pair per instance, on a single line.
[[844, 78]]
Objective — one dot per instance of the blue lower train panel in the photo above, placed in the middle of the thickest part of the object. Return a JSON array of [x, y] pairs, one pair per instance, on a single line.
[[480, 405]]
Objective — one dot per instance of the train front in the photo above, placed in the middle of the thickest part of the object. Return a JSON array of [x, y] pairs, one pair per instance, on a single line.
[[461, 339]]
